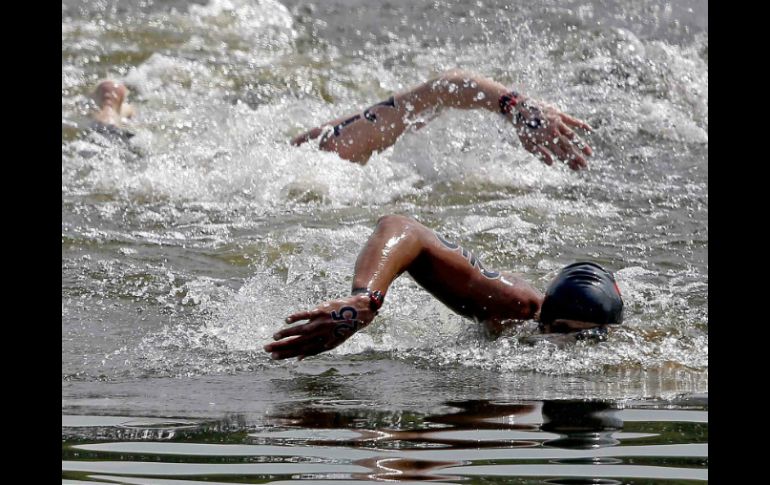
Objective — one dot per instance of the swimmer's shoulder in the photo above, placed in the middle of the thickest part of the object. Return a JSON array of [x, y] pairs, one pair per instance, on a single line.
[[111, 131]]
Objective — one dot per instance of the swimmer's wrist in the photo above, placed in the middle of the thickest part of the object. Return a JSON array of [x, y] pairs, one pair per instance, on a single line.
[[376, 297], [508, 101]]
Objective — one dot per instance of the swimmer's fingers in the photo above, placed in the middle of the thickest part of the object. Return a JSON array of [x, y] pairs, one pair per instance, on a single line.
[[577, 163], [574, 138], [282, 345], [575, 123], [296, 330], [306, 315], [575, 159], [289, 342], [301, 347], [528, 144], [568, 153], [539, 151], [544, 154], [300, 351], [291, 349], [560, 152]]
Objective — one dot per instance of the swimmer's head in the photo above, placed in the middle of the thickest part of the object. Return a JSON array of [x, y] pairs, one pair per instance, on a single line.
[[112, 94], [583, 296], [109, 91]]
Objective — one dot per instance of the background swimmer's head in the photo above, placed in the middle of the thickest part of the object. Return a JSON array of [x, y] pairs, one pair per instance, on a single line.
[[112, 94], [582, 296]]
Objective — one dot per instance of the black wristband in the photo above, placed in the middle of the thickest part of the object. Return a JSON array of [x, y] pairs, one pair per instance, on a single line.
[[376, 298]]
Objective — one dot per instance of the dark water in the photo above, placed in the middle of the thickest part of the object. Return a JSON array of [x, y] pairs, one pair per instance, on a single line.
[[183, 250]]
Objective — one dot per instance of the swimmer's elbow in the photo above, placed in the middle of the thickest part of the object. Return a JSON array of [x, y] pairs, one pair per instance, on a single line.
[[396, 220], [404, 226]]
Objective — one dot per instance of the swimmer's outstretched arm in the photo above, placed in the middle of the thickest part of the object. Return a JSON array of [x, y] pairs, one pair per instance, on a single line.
[[400, 244], [544, 131]]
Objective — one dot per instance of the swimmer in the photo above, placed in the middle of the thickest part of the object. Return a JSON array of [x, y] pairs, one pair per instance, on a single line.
[[580, 303], [543, 130], [110, 97]]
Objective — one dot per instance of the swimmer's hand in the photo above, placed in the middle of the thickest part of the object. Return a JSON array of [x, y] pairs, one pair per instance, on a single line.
[[545, 132], [328, 325]]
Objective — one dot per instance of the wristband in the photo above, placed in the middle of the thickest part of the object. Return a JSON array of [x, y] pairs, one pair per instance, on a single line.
[[376, 298], [508, 101]]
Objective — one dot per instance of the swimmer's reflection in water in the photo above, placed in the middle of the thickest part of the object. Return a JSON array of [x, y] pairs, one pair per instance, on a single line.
[[384, 427], [580, 424]]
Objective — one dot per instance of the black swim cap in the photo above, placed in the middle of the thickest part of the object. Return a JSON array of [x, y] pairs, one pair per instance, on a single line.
[[585, 292]]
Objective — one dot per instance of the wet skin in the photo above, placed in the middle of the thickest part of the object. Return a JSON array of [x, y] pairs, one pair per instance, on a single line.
[[543, 130], [448, 271]]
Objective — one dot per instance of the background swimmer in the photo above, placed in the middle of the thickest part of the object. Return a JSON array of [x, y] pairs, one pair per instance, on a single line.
[[543, 130], [112, 109]]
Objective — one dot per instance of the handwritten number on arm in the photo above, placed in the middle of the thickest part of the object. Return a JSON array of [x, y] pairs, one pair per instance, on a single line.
[[348, 323], [472, 260]]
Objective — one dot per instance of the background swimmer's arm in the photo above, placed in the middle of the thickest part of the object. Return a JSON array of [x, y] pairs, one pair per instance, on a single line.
[[400, 244], [357, 136]]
